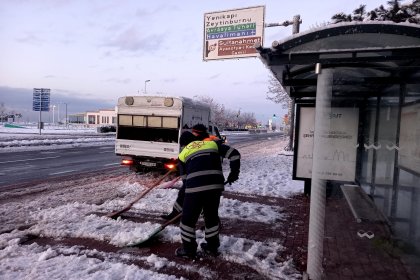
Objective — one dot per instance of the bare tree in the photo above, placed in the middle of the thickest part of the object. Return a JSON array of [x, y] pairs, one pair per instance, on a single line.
[[227, 118], [278, 94], [217, 109], [249, 120], [2, 108], [3, 113]]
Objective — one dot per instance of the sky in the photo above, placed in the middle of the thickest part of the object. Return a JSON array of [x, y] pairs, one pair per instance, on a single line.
[[67, 213], [89, 53]]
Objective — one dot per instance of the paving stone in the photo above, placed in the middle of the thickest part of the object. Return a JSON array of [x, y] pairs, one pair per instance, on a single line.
[[347, 256]]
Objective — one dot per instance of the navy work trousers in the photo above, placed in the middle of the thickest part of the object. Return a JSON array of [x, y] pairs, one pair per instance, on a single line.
[[195, 203]]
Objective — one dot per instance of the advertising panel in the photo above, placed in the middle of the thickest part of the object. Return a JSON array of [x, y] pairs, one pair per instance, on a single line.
[[233, 33], [306, 142], [337, 159]]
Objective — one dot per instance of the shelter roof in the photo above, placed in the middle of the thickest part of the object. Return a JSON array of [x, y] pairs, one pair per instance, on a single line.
[[368, 58]]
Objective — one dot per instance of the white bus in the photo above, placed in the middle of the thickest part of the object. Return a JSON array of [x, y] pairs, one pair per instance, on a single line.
[[149, 128]]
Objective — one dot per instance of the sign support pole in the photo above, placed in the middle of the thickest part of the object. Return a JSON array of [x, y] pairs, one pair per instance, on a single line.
[[41, 102], [40, 110]]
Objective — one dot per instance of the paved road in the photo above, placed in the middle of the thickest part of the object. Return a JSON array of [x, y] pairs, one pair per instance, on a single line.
[[235, 139], [21, 167], [18, 167]]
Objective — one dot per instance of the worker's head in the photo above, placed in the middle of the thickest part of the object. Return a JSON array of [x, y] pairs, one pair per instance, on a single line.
[[186, 138], [200, 131]]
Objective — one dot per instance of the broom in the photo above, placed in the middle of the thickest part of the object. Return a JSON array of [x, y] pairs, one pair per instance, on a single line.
[[115, 215]]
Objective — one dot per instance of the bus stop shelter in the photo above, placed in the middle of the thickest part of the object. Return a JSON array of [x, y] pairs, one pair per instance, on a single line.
[[356, 87]]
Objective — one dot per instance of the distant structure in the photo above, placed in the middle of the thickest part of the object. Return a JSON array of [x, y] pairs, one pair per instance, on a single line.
[[94, 118]]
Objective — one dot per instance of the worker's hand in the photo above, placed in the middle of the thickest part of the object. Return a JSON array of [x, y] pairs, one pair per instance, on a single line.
[[233, 176]]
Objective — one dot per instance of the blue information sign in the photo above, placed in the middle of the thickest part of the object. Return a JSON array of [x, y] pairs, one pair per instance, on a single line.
[[41, 100]]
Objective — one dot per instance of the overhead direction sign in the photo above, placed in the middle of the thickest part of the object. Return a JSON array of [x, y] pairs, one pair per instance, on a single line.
[[41, 99], [233, 33]]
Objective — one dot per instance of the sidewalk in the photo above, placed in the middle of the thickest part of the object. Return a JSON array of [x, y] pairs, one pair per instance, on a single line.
[[348, 256]]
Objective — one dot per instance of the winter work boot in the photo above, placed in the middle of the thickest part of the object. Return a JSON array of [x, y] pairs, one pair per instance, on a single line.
[[208, 250], [181, 252]]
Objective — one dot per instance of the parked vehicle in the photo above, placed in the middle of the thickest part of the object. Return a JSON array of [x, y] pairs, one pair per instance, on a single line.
[[149, 128]]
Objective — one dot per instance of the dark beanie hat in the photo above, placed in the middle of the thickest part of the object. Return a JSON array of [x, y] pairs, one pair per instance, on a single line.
[[199, 128], [186, 138]]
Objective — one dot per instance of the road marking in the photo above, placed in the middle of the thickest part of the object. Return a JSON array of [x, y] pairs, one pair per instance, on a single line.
[[31, 159], [109, 164], [56, 173]]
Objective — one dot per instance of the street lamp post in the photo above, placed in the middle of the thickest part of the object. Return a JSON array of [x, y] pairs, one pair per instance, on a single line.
[[145, 82], [53, 111], [66, 114], [58, 112]]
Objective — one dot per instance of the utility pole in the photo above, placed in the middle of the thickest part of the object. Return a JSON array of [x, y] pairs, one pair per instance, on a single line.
[[58, 112], [66, 115], [53, 112], [296, 24], [145, 82], [291, 112]]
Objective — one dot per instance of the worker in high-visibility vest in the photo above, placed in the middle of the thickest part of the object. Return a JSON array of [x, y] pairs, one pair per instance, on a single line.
[[199, 131], [204, 183]]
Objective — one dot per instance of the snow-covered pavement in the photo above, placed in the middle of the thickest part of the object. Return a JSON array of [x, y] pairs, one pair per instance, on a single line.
[[28, 138], [75, 210]]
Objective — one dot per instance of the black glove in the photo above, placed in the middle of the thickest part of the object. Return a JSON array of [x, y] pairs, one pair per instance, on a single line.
[[233, 176]]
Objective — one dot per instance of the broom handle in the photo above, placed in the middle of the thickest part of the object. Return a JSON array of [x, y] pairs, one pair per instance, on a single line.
[[170, 184], [171, 220], [126, 208], [151, 188]]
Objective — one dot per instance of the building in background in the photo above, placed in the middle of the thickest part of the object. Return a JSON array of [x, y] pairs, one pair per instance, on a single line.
[[94, 118]]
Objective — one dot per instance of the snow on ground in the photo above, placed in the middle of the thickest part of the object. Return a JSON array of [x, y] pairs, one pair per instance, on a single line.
[[265, 171], [34, 262], [27, 138]]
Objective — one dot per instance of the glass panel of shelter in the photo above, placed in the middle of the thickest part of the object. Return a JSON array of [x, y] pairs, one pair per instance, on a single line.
[[393, 183]]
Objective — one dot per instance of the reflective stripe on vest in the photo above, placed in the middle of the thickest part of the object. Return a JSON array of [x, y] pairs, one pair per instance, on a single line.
[[197, 147]]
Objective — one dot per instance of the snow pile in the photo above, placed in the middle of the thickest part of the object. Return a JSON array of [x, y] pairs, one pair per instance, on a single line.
[[29, 139], [34, 262]]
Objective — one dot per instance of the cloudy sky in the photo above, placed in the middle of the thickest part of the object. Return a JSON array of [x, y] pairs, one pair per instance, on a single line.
[[89, 53]]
